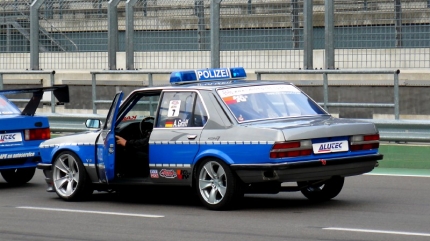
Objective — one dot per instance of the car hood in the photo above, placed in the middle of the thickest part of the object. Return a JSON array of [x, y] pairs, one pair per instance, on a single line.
[[88, 138], [318, 127]]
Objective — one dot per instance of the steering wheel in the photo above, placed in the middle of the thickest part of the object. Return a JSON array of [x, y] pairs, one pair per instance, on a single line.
[[146, 125]]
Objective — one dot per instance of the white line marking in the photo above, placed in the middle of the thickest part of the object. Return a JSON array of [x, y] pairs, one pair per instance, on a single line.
[[94, 212], [395, 175], [378, 231]]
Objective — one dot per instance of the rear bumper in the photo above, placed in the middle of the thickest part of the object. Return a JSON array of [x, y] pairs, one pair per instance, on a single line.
[[22, 157], [308, 170]]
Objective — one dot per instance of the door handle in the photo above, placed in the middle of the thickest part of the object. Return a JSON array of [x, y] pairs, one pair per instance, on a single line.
[[191, 137]]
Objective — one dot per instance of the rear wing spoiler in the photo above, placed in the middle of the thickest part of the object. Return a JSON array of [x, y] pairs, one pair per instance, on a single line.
[[61, 92]]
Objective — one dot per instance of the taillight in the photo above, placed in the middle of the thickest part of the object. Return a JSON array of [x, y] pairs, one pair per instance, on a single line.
[[291, 149], [364, 142], [37, 134]]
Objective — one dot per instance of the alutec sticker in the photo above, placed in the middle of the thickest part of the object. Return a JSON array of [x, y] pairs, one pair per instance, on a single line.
[[327, 147]]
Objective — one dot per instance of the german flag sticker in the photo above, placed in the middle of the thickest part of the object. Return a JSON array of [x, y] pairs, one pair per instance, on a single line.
[[169, 123]]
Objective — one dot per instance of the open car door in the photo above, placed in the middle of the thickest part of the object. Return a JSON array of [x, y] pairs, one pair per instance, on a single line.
[[105, 160]]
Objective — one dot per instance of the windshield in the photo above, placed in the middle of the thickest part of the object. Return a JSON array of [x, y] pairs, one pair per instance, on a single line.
[[268, 102], [7, 108]]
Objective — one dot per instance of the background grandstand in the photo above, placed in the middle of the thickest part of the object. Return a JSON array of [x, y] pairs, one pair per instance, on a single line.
[[257, 34]]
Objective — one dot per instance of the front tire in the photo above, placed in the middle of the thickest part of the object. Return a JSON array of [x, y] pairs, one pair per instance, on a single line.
[[70, 179], [18, 176], [217, 186], [322, 191]]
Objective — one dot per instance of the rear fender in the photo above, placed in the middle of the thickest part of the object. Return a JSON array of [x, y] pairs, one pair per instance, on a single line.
[[215, 154], [210, 153]]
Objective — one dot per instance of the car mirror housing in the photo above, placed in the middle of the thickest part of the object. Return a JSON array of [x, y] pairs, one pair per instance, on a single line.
[[93, 123]]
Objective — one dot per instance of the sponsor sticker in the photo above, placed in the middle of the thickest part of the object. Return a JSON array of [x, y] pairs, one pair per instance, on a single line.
[[327, 147], [153, 173], [130, 117], [240, 118], [183, 174], [17, 155], [176, 123], [10, 137], [6, 112], [168, 173], [180, 123], [229, 100]]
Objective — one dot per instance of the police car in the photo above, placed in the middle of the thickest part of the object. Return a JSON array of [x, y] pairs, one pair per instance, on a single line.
[[21, 132], [219, 134]]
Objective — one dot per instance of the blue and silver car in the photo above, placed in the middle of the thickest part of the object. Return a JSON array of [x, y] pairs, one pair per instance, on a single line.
[[219, 134], [21, 133]]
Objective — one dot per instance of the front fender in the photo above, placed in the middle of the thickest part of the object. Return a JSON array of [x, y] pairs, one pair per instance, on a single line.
[[85, 152]]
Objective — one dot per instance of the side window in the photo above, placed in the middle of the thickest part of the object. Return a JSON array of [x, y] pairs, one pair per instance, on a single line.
[[181, 109], [141, 107], [200, 115], [112, 110]]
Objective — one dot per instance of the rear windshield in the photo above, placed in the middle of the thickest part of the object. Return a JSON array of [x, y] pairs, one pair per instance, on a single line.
[[268, 102], [7, 108]]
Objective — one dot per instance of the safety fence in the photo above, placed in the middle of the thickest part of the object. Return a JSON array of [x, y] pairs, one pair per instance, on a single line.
[[189, 34], [33, 74], [94, 75]]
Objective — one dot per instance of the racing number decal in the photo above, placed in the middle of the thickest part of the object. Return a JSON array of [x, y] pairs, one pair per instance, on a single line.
[[174, 106]]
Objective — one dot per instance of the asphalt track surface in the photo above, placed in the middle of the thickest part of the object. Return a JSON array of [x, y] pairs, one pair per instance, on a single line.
[[370, 207]]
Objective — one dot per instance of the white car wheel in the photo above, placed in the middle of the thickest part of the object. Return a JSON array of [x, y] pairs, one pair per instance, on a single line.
[[218, 187], [69, 177]]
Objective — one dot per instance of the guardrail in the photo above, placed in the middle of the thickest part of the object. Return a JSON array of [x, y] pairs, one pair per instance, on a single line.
[[70, 123], [403, 130], [389, 130]]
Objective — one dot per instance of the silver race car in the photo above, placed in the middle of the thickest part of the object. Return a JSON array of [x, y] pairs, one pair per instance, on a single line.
[[219, 134]]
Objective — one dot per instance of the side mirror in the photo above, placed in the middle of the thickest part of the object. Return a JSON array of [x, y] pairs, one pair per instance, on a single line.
[[93, 123]]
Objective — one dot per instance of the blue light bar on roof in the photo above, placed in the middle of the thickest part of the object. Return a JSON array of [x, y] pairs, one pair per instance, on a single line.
[[207, 75]]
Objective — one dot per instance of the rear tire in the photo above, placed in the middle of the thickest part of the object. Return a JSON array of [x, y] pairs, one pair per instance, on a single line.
[[322, 191], [71, 182], [18, 176], [217, 186]]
